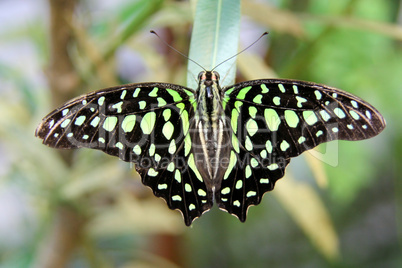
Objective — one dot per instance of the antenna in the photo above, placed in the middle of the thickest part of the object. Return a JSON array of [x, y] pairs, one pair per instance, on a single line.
[[265, 33], [163, 41]]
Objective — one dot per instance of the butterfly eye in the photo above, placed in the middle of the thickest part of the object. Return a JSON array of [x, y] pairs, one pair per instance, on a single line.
[[200, 75], [216, 74]]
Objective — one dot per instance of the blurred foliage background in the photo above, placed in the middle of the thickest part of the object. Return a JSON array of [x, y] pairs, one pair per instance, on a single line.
[[339, 207]]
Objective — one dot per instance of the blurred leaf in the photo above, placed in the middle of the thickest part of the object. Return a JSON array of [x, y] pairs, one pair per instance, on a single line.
[[173, 14], [318, 170], [21, 85], [306, 208], [139, 12], [259, 69], [388, 29], [277, 20], [214, 39], [28, 151], [131, 215], [88, 179], [148, 260], [93, 57]]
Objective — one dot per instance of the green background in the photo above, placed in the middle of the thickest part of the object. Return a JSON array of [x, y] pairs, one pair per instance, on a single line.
[[86, 209]]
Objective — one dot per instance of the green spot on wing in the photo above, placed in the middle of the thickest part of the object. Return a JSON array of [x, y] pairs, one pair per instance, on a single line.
[[272, 119], [258, 99], [119, 145], [251, 127], [239, 184], [252, 111], [123, 94], [234, 119], [301, 140], [167, 130], [110, 123], [136, 92], [161, 102], [170, 167], [187, 145], [95, 121], [160, 186], [225, 190], [185, 121], [65, 123], [128, 123], [300, 101], [177, 176], [268, 145], [232, 163], [248, 171], [167, 113], [264, 88], [80, 120], [101, 100], [201, 192], [230, 90], [273, 166], [176, 96], [277, 100], [325, 115], [291, 118], [172, 147], [151, 149], [251, 193], [235, 143], [117, 106], [242, 93], [310, 117], [248, 144], [238, 104], [281, 88], [176, 198], [181, 106], [265, 181], [142, 104], [187, 187], [317, 94], [339, 113], [355, 115], [253, 162], [191, 164], [154, 92], [284, 145], [148, 122]]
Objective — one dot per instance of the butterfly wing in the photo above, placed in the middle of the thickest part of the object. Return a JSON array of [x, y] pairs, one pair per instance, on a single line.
[[146, 124], [274, 120]]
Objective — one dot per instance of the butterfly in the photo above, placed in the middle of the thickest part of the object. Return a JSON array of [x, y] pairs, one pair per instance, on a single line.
[[227, 145]]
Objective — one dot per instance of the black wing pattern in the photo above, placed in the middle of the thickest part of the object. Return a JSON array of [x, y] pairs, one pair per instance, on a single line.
[[142, 123], [274, 120]]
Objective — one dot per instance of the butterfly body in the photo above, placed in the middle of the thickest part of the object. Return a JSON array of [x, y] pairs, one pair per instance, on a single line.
[[211, 133], [225, 145]]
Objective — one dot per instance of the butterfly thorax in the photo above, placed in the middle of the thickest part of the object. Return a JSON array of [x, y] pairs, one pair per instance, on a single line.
[[210, 133]]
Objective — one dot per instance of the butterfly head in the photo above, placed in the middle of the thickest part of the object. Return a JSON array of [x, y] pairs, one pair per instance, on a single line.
[[208, 78], [209, 91]]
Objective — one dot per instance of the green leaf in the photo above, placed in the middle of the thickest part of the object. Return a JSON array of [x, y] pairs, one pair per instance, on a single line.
[[215, 38], [137, 15], [292, 194]]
